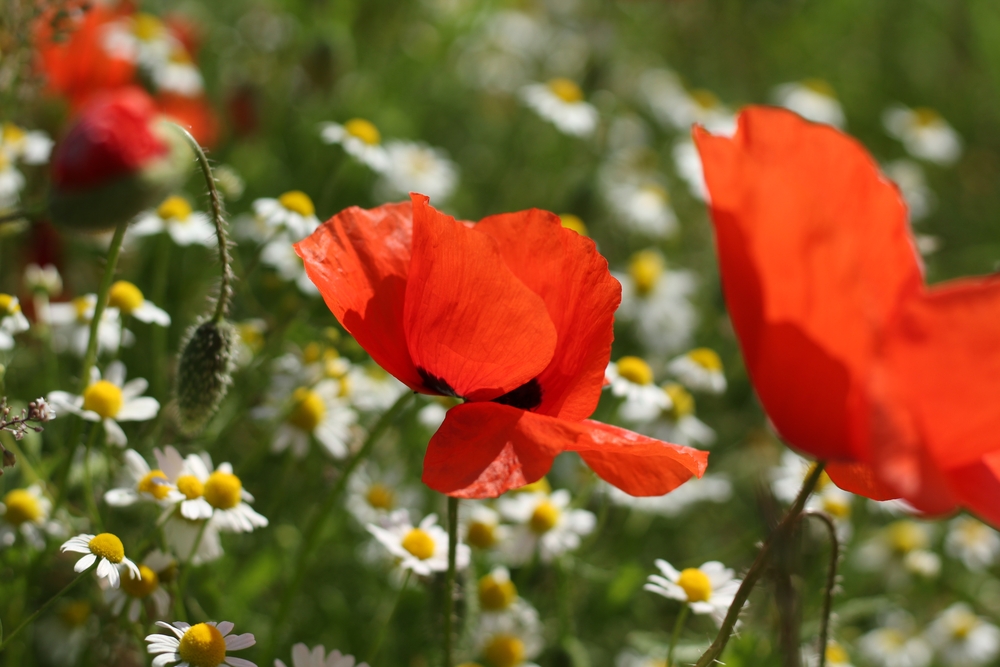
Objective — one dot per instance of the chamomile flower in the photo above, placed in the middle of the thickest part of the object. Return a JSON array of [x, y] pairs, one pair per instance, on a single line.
[[708, 589], [544, 523], [202, 645], [70, 324], [318, 412], [373, 493], [712, 487], [25, 512], [62, 636], [836, 656], [141, 38], [106, 550], [900, 548], [560, 101], [631, 379], [218, 494], [11, 183], [360, 139], [196, 542], [416, 167], [129, 301], [497, 594], [251, 340], [787, 477], [678, 423], [140, 482], [280, 255], [658, 302], [422, 549], [972, 542], [481, 526], [318, 657], [640, 202], [679, 108], [912, 183], [895, 644], [511, 639], [178, 74], [924, 133], [371, 389], [687, 162], [25, 146], [432, 415], [135, 591], [292, 213], [963, 639], [700, 370], [813, 99], [43, 279], [12, 321], [176, 217]]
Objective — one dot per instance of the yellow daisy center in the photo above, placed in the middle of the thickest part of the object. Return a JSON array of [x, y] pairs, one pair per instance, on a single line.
[[706, 99], [141, 587], [309, 410], [12, 133], [190, 486], [494, 594], [544, 518], [972, 531], [311, 353], [837, 505], [251, 335], [539, 486], [9, 305], [645, 270], [82, 306], [74, 614], [707, 358], [298, 202], [104, 398], [125, 296], [906, 536], [222, 490], [380, 497], [634, 370], [681, 399], [696, 584], [963, 623], [819, 86], [656, 192], [107, 546], [481, 535], [146, 27], [835, 653], [504, 651], [154, 483], [925, 116], [570, 221], [566, 90], [364, 130], [22, 506], [174, 208], [202, 646], [419, 543]]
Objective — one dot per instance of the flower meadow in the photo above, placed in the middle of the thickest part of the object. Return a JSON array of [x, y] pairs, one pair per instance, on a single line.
[[510, 334]]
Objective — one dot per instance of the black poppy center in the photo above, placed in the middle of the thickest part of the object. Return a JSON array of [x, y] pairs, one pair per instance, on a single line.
[[526, 397]]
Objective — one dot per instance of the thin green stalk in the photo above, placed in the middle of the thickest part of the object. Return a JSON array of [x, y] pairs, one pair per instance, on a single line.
[[449, 583], [757, 569], [41, 610], [831, 581], [161, 269], [88, 489], [676, 634], [380, 637], [186, 570]]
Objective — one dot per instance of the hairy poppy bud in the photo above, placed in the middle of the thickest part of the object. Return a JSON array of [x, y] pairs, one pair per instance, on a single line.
[[204, 372], [120, 157]]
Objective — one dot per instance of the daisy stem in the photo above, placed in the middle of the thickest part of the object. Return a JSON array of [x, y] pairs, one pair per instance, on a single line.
[[449, 582], [787, 523], [38, 612], [388, 619], [181, 608], [678, 626], [88, 489], [831, 581]]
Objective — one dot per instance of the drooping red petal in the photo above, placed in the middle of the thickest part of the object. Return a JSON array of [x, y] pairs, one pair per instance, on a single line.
[[568, 273], [359, 260], [484, 449], [471, 325], [815, 256], [860, 479]]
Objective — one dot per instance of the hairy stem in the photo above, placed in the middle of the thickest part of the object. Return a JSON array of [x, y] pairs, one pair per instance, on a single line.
[[449, 583], [831, 580]]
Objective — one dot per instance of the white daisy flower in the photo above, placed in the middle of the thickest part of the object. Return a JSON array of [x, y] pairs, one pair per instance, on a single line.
[[218, 495], [371, 389], [481, 526], [658, 302], [135, 591], [899, 549], [292, 213], [141, 38], [43, 279], [963, 639], [197, 542], [673, 105], [972, 542], [895, 644], [640, 202], [175, 217], [70, 322], [11, 183], [432, 415], [281, 256], [140, 482], [129, 301], [510, 639], [422, 549], [544, 523], [700, 369], [318, 412], [26, 512], [61, 637], [836, 656], [678, 423], [109, 401], [178, 74], [712, 487], [360, 139], [26, 146], [687, 162], [787, 477], [106, 547], [373, 494], [416, 167], [500, 58], [909, 178], [924, 133], [303, 657], [251, 340], [708, 589], [631, 379], [12, 321], [497, 594], [201, 645], [560, 101], [813, 99]]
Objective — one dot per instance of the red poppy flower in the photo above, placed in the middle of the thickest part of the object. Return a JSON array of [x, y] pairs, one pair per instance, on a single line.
[[854, 358], [514, 315], [193, 113]]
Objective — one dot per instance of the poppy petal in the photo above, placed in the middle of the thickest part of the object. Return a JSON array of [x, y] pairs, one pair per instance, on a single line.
[[472, 328], [568, 273], [860, 479], [484, 449], [359, 260], [815, 255]]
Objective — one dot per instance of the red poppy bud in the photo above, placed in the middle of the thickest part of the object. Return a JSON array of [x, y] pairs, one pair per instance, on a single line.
[[119, 158]]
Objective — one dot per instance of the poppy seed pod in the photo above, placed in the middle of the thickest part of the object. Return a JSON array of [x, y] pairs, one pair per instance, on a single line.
[[120, 157], [204, 373]]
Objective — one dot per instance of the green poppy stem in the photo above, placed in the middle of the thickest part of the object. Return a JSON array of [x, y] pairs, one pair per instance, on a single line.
[[449, 583]]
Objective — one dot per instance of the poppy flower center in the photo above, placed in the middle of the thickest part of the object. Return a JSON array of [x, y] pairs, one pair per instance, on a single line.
[[174, 208], [906, 536], [419, 543], [496, 595], [202, 646], [125, 296], [22, 506], [570, 221], [364, 130], [298, 202], [481, 535], [309, 410], [154, 483], [645, 270], [380, 497], [566, 90], [707, 358], [190, 486], [142, 586], [104, 398], [635, 370], [107, 546], [222, 490], [9, 305], [696, 584], [682, 402], [544, 518], [504, 651]]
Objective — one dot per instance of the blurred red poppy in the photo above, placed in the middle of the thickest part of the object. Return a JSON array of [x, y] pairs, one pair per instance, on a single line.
[[194, 113], [514, 315], [855, 360]]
